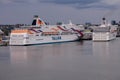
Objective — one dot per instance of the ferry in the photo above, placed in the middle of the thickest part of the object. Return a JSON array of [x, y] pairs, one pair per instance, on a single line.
[[104, 32], [40, 33]]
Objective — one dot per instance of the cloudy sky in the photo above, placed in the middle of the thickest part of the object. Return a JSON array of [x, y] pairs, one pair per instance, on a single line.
[[52, 11]]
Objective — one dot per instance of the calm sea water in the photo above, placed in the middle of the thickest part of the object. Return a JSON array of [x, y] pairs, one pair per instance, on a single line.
[[84, 60]]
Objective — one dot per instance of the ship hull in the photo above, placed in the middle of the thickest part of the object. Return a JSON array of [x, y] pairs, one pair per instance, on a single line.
[[36, 39], [104, 36]]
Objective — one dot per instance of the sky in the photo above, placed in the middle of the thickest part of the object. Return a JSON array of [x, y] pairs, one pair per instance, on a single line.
[[52, 11]]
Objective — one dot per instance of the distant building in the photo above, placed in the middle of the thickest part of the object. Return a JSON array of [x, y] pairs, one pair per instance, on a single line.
[[113, 22], [1, 34]]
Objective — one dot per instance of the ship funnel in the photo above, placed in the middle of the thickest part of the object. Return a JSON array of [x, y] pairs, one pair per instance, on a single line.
[[37, 21], [104, 20]]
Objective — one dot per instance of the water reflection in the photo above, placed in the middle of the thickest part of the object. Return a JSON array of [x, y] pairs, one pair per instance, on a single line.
[[106, 49], [66, 61], [106, 52], [101, 48], [4, 53], [18, 54], [40, 53]]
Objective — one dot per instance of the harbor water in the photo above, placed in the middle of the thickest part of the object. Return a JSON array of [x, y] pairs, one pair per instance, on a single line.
[[82, 60]]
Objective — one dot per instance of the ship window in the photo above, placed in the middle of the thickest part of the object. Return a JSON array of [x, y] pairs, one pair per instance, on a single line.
[[37, 35], [14, 35], [34, 22]]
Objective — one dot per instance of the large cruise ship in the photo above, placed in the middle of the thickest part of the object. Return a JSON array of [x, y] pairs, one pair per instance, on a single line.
[[104, 32], [40, 33]]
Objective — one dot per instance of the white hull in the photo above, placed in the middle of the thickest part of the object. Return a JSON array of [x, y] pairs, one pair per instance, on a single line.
[[42, 39], [103, 36]]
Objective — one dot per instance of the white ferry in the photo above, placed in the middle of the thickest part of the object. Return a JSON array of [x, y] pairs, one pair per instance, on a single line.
[[39, 33], [104, 32]]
